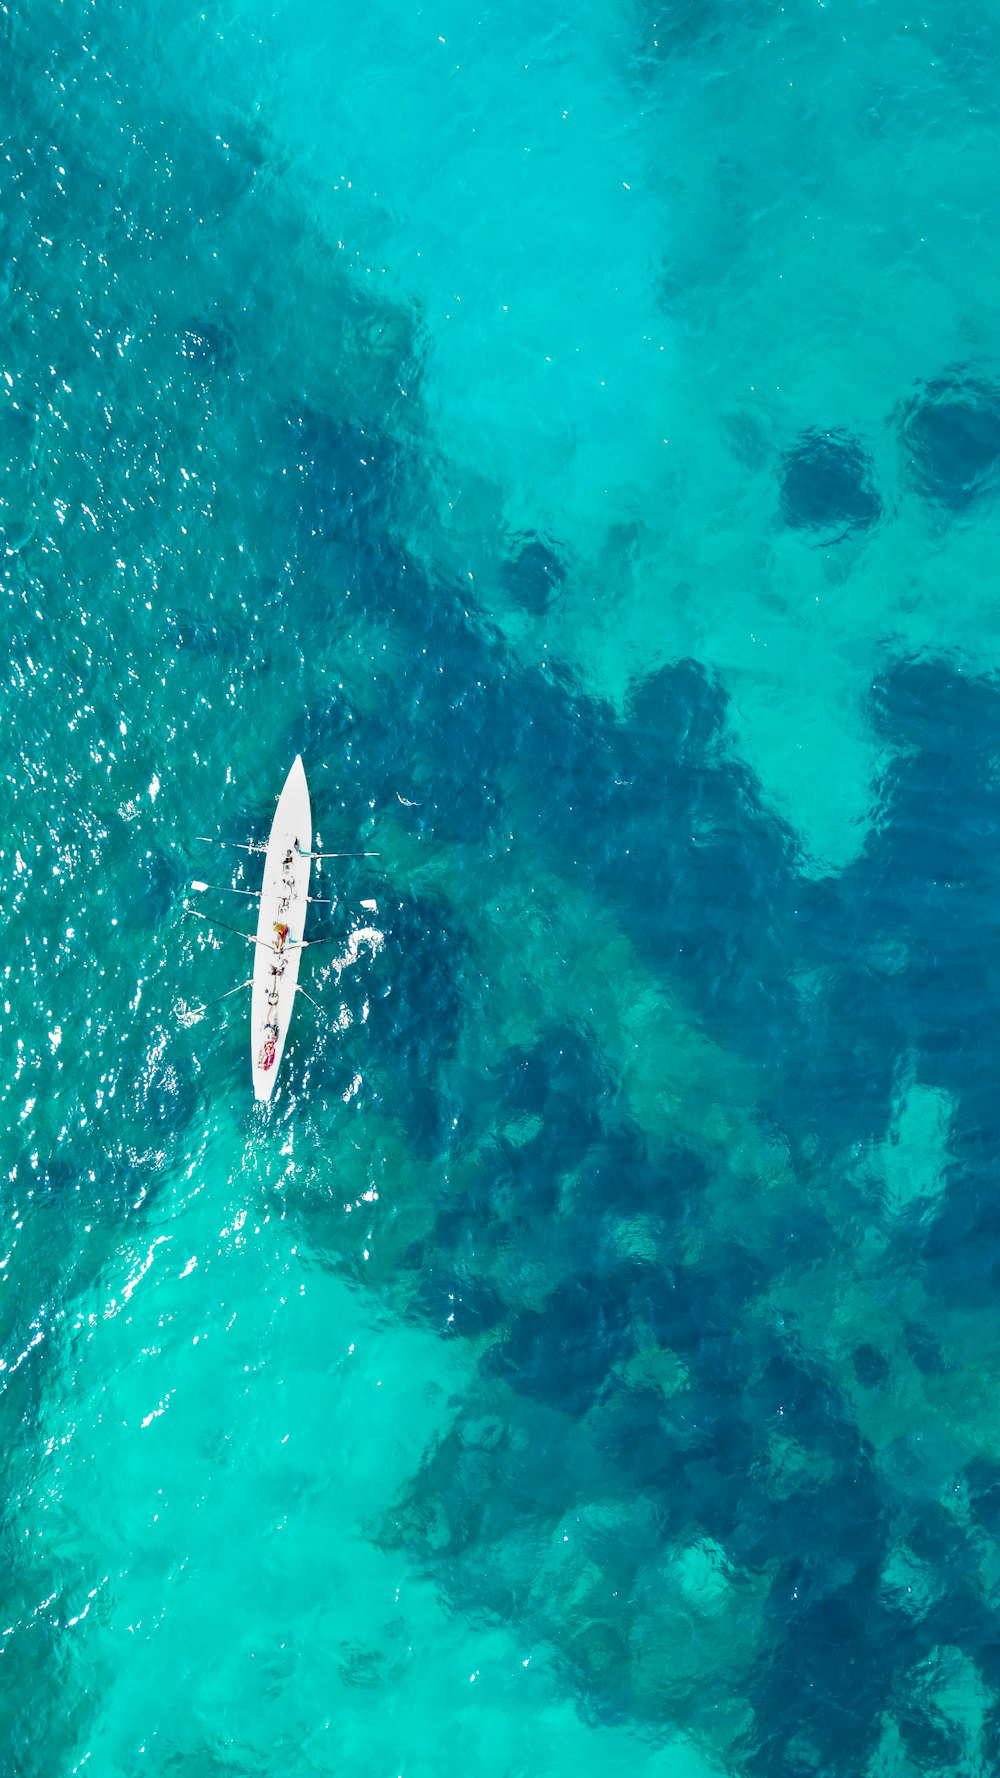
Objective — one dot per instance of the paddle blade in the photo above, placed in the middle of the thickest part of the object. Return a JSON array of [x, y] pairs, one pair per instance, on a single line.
[[201, 887]]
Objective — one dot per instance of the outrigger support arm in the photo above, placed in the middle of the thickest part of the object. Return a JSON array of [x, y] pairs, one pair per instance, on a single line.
[[227, 889], [302, 854], [251, 846]]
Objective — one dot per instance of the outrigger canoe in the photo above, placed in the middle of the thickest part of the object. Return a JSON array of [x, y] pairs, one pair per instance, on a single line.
[[281, 920], [284, 897]]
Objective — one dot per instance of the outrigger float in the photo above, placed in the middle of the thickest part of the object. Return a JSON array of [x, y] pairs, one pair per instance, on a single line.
[[280, 937]]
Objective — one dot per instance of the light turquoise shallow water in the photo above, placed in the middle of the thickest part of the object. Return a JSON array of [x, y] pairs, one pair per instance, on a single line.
[[589, 1364]]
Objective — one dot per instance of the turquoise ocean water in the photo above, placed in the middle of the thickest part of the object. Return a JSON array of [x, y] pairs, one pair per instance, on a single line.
[[578, 433]]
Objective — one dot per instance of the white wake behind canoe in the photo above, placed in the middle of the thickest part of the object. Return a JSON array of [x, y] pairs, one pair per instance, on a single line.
[[277, 953]]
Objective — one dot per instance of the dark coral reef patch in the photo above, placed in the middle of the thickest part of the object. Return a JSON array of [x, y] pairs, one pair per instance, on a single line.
[[827, 486]]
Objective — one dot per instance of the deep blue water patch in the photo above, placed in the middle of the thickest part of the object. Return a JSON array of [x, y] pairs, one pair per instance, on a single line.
[[923, 892], [561, 1082], [532, 575], [562, 1354], [456, 1303], [419, 968], [206, 346], [827, 486], [925, 881], [207, 637], [158, 886], [950, 437], [185, 176], [341, 475], [361, 749]]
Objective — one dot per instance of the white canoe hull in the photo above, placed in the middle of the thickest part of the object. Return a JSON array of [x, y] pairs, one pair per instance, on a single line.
[[283, 903]]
